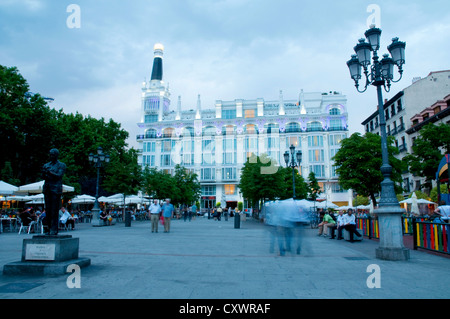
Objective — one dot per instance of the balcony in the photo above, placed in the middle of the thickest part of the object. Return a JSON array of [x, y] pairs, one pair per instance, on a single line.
[[337, 128]]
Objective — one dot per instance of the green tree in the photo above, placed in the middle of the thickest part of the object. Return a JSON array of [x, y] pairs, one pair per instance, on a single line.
[[261, 180], [314, 189], [358, 163], [27, 126], [434, 192], [360, 200], [188, 189], [123, 174], [301, 187], [428, 149], [158, 184], [7, 175]]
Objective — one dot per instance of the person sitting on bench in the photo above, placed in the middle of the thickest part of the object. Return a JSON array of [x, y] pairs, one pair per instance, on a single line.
[[349, 225]]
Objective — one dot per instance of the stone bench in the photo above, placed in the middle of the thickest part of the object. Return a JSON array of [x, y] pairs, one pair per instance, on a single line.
[[346, 235]]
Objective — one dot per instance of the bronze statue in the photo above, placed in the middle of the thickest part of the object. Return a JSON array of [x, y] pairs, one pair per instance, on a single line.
[[53, 173]]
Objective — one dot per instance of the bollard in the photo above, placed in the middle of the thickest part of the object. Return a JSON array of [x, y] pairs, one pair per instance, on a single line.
[[128, 219], [237, 220]]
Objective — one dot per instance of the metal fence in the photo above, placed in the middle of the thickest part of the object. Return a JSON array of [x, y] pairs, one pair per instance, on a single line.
[[428, 235]]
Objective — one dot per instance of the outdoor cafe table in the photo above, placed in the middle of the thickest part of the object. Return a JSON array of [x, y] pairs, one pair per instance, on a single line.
[[12, 223]]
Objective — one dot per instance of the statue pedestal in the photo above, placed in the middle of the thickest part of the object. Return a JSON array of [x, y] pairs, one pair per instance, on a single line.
[[47, 255]]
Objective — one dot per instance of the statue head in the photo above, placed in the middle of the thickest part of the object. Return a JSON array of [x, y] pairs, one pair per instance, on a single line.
[[54, 153]]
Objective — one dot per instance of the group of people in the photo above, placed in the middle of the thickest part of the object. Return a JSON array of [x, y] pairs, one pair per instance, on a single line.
[[343, 221], [161, 213]]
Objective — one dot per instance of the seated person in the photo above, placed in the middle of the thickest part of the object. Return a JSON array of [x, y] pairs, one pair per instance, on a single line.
[[66, 218], [349, 225], [328, 221], [443, 211], [104, 216], [27, 217], [320, 225], [339, 225]]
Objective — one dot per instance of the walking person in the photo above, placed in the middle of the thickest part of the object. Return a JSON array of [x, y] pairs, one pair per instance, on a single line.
[[167, 212], [192, 211], [154, 211]]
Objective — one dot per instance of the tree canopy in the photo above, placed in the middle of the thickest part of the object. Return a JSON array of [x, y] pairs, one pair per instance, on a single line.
[[182, 188], [29, 128], [358, 163], [428, 149], [261, 180]]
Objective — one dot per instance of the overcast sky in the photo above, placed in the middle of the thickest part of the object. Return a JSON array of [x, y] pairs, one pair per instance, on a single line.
[[220, 49]]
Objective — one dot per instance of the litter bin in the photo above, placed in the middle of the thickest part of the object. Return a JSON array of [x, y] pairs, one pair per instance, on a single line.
[[237, 220], [128, 219]]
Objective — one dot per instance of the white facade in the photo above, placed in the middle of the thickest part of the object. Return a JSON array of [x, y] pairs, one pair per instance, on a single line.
[[216, 142]]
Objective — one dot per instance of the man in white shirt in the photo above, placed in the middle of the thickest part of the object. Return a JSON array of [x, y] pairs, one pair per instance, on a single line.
[[154, 211], [350, 224], [444, 211], [339, 225]]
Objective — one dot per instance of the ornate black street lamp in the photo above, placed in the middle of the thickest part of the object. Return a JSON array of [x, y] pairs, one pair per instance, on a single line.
[[99, 159], [293, 164], [381, 74]]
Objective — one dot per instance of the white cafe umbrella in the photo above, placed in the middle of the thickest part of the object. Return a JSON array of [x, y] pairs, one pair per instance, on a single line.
[[36, 199], [36, 188], [424, 201], [18, 198], [414, 204], [83, 199], [7, 189]]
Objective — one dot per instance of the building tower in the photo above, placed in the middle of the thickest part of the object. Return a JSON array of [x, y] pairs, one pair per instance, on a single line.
[[155, 94]]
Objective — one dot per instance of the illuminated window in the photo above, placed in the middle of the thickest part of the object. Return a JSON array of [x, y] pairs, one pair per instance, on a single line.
[[292, 140], [168, 132], [250, 129], [230, 189], [249, 114]]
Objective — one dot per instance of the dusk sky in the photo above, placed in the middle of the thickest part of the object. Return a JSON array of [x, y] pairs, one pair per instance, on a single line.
[[220, 49]]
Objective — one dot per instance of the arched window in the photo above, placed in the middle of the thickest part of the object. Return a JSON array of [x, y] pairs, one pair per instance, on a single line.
[[335, 111], [228, 130], [188, 132], [209, 131], [250, 129], [168, 132], [314, 126], [293, 128], [151, 133], [271, 128]]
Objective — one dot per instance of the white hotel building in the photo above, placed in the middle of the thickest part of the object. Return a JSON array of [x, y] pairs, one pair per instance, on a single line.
[[215, 143]]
